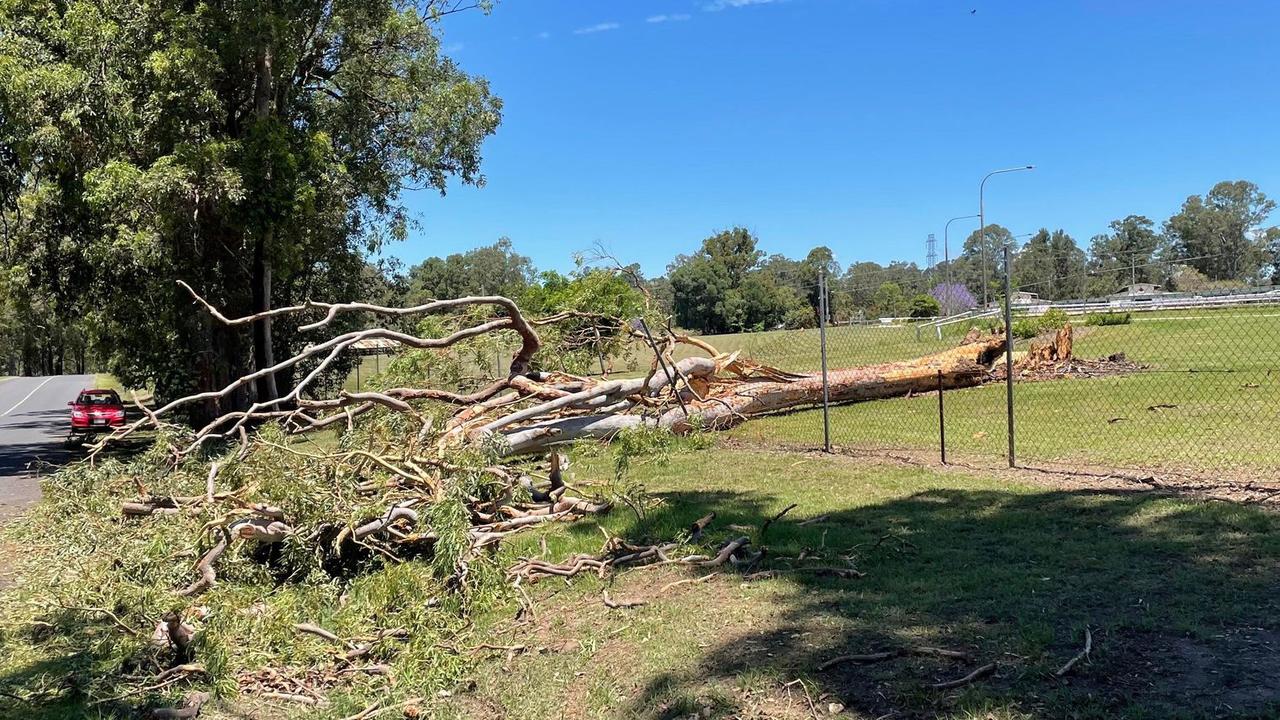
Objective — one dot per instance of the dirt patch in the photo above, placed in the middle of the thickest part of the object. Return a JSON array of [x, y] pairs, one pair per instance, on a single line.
[[1235, 673]]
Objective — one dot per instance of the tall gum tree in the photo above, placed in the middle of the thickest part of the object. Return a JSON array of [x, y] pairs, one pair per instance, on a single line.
[[256, 150]]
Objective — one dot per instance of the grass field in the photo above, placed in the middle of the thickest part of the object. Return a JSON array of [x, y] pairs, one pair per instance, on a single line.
[[369, 366], [1180, 597], [1221, 369]]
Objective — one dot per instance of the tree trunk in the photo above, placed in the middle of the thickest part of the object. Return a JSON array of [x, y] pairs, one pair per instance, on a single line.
[[721, 404], [263, 353]]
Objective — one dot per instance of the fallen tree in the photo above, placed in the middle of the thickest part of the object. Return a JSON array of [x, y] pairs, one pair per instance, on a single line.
[[719, 392], [531, 409], [441, 473], [524, 413], [521, 414]]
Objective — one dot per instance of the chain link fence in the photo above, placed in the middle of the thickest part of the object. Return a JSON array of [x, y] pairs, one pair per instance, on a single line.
[[1159, 381]]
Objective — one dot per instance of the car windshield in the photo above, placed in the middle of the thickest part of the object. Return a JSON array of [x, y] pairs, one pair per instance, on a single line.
[[98, 399]]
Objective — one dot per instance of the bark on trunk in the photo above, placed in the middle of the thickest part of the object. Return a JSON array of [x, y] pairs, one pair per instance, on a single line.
[[964, 366], [723, 407], [263, 353]]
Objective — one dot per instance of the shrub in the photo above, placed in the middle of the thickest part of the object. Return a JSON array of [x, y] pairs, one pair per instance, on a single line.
[[1107, 318], [1030, 327], [1026, 328], [799, 317], [923, 306]]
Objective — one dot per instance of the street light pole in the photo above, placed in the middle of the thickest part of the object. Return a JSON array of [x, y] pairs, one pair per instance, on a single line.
[[982, 225], [946, 245]]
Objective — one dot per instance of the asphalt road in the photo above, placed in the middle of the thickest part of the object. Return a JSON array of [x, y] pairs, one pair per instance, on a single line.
[[33, 424]]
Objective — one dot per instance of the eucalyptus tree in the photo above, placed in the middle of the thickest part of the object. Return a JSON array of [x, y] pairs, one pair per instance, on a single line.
[[256, 150], [1221, 234], [1125, 255]]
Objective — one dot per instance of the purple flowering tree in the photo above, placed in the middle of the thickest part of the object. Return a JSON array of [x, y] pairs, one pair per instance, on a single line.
[[953, 297]]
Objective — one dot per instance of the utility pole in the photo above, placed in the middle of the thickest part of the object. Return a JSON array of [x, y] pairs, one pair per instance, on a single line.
[[982, 226]]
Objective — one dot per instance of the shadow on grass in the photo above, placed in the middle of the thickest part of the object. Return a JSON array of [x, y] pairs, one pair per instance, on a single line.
[[65, 676], [1181, 598]]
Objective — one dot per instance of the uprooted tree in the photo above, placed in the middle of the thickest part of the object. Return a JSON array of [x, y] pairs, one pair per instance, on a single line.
[[531, 409], [528, 411], [447, 474]]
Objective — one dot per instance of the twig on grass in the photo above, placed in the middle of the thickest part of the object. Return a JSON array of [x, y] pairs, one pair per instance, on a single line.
[[867, 657], [978, 674], [1088, 647], [699, 525], [687, 581], [621, 604], [890, 654], [813, 711], [377, 709], [119, 623], [183, 669], [844, 573], [319, 632], [292, 697], [941, 652], [764, 528]]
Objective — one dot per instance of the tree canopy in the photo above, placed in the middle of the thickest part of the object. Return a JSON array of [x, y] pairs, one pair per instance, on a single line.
[[1052, 266], [727, 287], [1124, 256], [491, 270], [256, 151], [1221, 234]]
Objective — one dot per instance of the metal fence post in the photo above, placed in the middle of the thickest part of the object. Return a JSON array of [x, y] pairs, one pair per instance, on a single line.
[[822, 341], [1008, 348], [942, 422]]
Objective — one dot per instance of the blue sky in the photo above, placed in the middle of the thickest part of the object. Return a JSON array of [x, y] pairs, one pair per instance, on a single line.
[[862, 125]]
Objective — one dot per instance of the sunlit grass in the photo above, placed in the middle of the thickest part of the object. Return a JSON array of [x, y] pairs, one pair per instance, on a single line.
[[1221, 369], [1005, 569]]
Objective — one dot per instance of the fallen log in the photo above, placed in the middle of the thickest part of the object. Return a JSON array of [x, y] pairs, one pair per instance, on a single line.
[[755, 391]]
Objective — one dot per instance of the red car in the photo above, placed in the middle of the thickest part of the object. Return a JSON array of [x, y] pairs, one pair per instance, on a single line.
[[96, 411]]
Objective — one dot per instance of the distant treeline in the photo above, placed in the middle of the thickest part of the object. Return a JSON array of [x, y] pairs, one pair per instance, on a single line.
[[1217, 241], [728, 284]]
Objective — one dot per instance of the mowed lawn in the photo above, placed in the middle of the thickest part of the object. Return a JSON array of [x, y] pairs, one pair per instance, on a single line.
[[1180, 596], [1219, 369]]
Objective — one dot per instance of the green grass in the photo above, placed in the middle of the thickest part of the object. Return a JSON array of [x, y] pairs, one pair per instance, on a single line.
[[1009, 571], [1005, 569], [1221, 369], [368, 367]]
